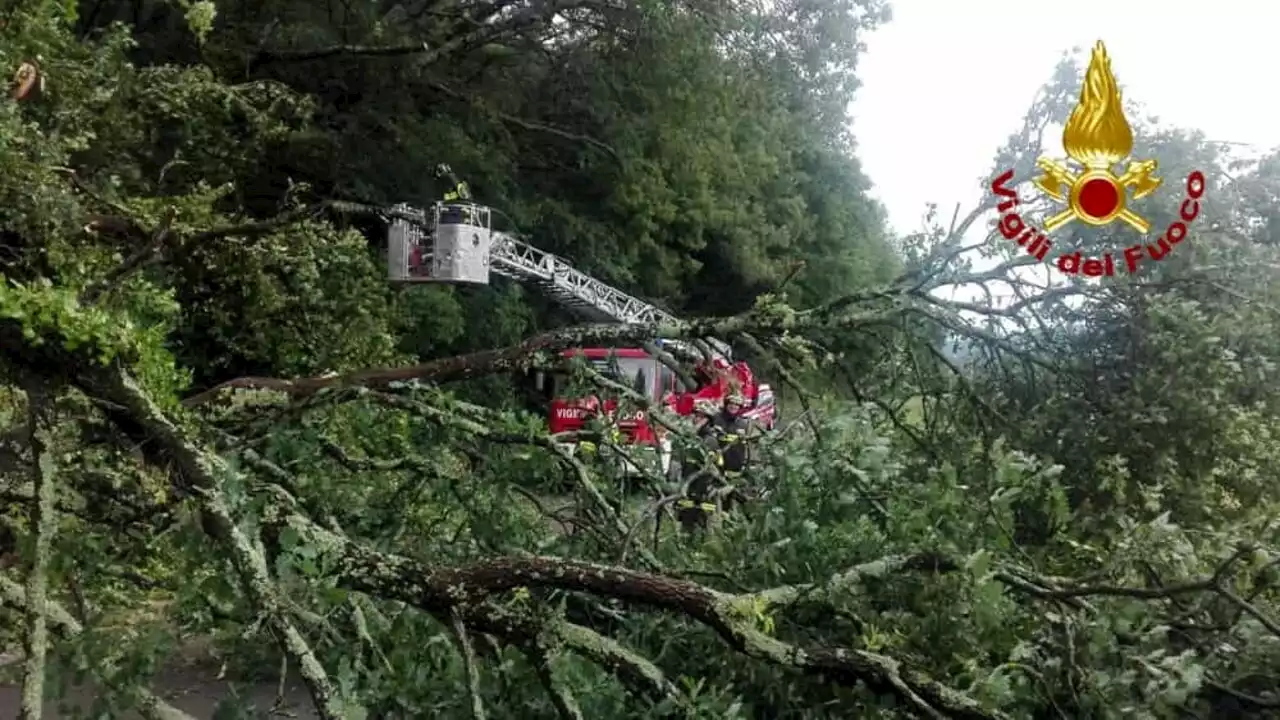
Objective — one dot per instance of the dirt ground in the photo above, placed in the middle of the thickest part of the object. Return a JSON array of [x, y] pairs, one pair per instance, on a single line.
[[191, 687], [195, 694]]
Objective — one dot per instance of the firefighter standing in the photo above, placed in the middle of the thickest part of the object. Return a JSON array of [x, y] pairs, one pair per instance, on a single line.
[[731, 427], [722, 434]]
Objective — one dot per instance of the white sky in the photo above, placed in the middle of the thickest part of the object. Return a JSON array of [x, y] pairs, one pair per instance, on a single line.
[[947, 81]]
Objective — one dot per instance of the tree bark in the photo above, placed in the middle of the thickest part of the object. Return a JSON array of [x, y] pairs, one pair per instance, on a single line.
[[44, 523]]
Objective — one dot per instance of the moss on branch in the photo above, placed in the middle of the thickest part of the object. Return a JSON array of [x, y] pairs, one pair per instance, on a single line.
[[441, 589]]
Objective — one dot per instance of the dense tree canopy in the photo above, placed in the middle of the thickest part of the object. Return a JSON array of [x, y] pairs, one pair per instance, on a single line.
[[1071, 518]]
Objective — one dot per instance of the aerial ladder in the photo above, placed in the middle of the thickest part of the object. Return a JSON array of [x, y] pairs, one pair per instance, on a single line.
[[455, 242]]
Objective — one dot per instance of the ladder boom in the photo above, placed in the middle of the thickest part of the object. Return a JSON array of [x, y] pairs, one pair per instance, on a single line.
[[455, 242], [518, 260], [570, 286]]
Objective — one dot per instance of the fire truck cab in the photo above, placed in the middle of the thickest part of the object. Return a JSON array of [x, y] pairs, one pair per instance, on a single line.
[[571, 406]]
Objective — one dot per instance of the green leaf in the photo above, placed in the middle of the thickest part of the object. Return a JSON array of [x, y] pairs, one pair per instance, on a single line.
[[289, 539]]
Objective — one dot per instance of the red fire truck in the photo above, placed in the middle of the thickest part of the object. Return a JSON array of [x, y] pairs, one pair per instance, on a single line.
[[573, 408], [455, 242]]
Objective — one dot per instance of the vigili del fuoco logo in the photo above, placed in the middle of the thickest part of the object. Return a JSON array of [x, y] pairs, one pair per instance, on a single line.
[[1097, 138]]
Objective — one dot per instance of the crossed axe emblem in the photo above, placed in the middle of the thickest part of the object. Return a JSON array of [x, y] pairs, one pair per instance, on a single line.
[[1064, 185]]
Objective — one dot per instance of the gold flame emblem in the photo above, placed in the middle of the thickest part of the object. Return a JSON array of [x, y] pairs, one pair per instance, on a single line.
[[1098, 137]]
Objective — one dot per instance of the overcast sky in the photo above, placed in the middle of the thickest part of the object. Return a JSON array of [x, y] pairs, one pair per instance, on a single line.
[[946, 81]]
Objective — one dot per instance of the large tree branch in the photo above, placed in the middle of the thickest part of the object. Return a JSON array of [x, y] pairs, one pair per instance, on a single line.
[[442, 589], [200, 473], [470, 663], [531, 125], [537, 350], [519, 21], [636, 672], [152, 244], [513, 358], [902, 297], [203, 473], [44, 523], [561, 697], [539, 635]]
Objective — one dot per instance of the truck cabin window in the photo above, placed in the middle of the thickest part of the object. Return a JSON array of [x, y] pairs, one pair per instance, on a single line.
[[639, 374]]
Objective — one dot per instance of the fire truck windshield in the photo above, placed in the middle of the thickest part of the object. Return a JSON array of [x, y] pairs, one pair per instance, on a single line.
[[639, 374], [635, 373]]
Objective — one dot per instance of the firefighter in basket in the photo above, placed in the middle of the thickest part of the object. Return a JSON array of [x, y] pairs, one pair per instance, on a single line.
[[458, 191]]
